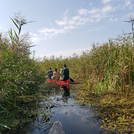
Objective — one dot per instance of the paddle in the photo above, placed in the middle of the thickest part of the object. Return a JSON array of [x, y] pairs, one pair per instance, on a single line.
[[71, 80]]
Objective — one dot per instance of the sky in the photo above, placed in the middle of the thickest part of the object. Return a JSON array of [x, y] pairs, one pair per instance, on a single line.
[[65, 27]]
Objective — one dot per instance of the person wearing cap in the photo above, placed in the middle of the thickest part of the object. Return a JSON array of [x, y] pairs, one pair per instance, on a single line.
[[65, 73], [50, 73]]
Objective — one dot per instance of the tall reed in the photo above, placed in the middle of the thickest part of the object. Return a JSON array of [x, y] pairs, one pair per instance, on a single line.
[[19, 75], [106, 67]]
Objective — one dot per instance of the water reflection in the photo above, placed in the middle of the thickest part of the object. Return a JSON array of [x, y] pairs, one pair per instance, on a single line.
[[76, 119], [66, 93]]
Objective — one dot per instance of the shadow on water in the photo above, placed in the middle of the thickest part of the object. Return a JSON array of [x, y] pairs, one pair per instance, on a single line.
[[61, 106], [66, 94]]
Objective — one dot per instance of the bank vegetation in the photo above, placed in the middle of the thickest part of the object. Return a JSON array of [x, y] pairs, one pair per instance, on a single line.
[[20, 78], [107, 76]]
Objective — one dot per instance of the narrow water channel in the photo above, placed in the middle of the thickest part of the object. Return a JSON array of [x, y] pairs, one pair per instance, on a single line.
[[62, 106]]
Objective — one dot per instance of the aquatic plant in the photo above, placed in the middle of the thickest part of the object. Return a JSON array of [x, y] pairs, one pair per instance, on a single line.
[[107, 76], [106, 67], [19, 76]]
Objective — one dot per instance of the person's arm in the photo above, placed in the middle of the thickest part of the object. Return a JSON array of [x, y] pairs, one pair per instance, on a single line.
[[61, 71]]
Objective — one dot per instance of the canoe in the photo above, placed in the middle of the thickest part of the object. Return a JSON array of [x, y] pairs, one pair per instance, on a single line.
[[60, 83]]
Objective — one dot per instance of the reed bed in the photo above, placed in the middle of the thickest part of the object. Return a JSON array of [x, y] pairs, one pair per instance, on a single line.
[[106, 73], [107, 76], [107, 67], [20, 76]]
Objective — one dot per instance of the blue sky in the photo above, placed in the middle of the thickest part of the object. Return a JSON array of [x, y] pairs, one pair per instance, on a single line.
[[64, 27]]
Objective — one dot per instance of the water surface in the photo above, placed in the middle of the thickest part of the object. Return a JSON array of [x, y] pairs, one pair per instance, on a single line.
[[62, 106]]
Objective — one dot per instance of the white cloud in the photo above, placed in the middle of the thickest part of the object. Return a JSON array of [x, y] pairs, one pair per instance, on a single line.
[[69, 27], [78, 20], [74, 21], [94, 11], [83, 11], [86, 12], [62, 22], [83, 17], [130, 15], [0, 27], [49, 33], [34, 38], [128, 4], [105, 1], [67, 53], [106, 9], [114, 19]]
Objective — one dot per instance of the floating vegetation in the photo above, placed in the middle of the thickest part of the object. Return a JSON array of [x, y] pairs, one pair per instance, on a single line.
[[106, 73], [115, 110]]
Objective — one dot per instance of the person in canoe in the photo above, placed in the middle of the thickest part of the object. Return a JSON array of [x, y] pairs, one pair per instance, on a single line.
[[56, 75], [50, 73], [64, 73]]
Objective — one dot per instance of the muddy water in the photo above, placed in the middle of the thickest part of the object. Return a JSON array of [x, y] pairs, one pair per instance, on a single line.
[[62, 106]]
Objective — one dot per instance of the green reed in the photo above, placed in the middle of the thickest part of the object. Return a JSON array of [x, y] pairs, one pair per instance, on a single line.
[[107, 76], [106, 67], [19, 76]]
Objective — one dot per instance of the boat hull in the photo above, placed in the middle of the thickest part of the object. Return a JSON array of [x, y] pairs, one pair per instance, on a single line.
[[60, 83]]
